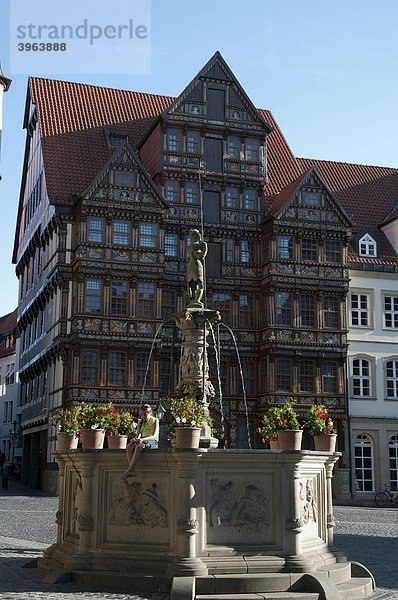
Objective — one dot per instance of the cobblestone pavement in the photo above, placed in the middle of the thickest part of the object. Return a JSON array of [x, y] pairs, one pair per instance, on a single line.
[[27, 517]]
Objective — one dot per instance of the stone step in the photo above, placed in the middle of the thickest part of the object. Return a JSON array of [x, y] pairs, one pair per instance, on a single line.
[[261, 596], [338, 572], [356, 588], [247, 583]]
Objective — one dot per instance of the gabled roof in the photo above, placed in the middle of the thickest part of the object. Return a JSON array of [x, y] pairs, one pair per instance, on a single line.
[[367, 193], [8, 322], [216, 68], [73, 116]]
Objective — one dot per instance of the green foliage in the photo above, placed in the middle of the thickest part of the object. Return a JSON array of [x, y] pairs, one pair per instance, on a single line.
[[269, 429], [318, 422], [187, 412], [94, 416], [120, 423], [67, 419], [288, 418]]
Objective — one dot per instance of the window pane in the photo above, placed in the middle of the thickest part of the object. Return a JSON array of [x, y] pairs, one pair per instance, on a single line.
[[89, 367], [250, 199], [149, 235], [174, 140], [145, 299], [232, 197], [251, 149], [170, 244], [233, 147], [193, 142], [121, 230], [309, 249], [283, 308], [93, 295], [172, 191], [192, 192], [283, 374], [95, 229], [119, 298], [117, 367], [285, 246]]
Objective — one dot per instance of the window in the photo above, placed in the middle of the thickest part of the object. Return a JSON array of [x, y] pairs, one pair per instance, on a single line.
[[246, 311], [164, 375], [367, 246], [248, 376], [360, 378], [243, 432], [391, 311], [117, 368], [121, 232], [330, 312], [311, 199], [246, 251], [174, 140], [307, 372], [284, 246], [10, 374], [359, 310], [119, 298], [10, 410], [89, 367], [95, 228], [148, 235], [250, 199], [145, 299], [393, 455], [363, 463], [233, 147], [172, 191], [168, 302], [5, 412], [231, 200], [230, 250], [307, 305], [141, 362], [283, 374], [283, 308], [193, 142], [93, 296], [251, 149], [124, 179], [171, 244], [332, 251], [191, 193], [309, 249], [329, 377], [222, 302], [392, 378]]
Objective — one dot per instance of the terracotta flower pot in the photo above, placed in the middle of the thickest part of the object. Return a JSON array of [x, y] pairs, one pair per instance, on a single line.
[[187, 437], [290, 439], [117, 442], [274, 444], [92, 439], [325, 442], [66, 441]]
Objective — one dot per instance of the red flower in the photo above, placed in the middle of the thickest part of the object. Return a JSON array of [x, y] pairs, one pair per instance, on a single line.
[[279, 419], [285, 422], [53, 424], [108, 411]]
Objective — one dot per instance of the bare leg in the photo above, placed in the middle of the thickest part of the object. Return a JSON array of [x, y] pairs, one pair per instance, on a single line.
[[130, 451], [130, 471]]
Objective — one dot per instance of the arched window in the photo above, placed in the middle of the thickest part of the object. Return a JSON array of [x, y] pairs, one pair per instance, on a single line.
[[363, 463], [393, 453], [392, 378], [360, 377]]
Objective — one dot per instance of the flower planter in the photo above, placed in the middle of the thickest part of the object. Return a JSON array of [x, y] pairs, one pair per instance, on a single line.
[[187, 437], [290, 439], [92, 439], [66, 441], [325, 442], [274, 444], [117, 442]]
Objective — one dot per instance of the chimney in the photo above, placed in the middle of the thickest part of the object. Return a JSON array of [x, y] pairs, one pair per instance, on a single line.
[[4, 86]]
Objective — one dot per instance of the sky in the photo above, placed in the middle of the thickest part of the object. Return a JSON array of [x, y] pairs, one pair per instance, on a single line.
[[328, 71]]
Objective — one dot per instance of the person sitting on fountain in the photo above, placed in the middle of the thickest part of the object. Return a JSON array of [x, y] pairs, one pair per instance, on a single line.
[[195, 272], [147, 438]]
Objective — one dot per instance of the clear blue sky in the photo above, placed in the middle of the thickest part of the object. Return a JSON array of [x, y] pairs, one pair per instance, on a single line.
[[327, 70]]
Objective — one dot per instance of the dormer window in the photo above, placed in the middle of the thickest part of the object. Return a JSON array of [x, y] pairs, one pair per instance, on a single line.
[[174, 141], [311, 199], [367, 246]]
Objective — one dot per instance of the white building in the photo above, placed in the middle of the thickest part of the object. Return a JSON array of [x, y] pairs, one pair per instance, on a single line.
[[10, 410]]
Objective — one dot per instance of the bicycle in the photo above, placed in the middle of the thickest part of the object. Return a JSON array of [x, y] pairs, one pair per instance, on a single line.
[[383, 498]]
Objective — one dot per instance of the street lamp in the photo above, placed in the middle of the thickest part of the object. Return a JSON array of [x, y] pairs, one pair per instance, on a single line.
[[160, 412]]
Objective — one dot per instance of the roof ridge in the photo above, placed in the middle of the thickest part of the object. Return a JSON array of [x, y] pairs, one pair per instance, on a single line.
[[342, 162]]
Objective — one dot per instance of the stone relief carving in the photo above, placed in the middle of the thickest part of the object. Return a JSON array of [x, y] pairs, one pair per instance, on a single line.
[[245, 509], [307, 496], [138, 507], [76, 489]]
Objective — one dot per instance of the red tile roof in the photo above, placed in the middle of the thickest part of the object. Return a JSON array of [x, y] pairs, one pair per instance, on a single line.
[[7, 324]]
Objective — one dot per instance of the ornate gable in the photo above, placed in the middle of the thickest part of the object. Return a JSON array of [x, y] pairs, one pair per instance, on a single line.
[[311, 205], [216, 96], [125, 181]]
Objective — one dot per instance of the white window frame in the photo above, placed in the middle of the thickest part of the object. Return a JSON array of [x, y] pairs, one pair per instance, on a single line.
[[363, 440], [393, 445], [367, 246], [359, 310], [361, 376], [392, 312], [394, 378]]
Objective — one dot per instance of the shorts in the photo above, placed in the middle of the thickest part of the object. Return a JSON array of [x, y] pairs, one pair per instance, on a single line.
[[150, 444]]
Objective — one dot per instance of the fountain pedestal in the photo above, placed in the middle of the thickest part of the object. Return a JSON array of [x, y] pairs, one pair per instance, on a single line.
[[195, 322]]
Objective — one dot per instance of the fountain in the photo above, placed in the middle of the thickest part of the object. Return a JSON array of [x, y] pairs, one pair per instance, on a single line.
[[205, 523]]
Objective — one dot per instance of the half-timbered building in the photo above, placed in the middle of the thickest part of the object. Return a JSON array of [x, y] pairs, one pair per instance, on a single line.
[[113, 180]]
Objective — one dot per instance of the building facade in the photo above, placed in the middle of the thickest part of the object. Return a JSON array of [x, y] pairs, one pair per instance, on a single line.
[[10, 407], [113, 181]]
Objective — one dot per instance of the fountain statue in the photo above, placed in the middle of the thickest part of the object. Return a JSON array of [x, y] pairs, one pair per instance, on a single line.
[[195, 321]]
